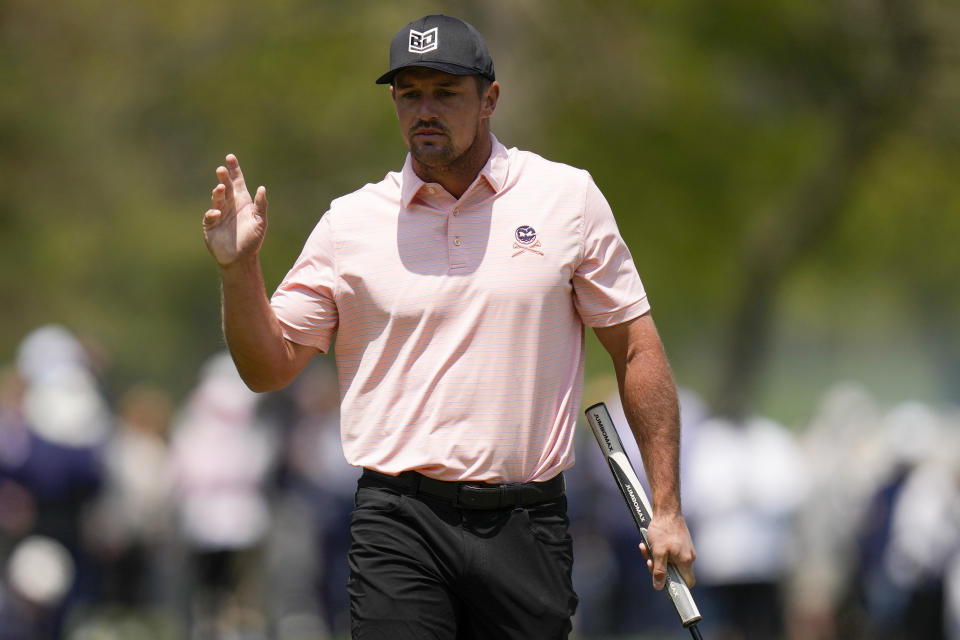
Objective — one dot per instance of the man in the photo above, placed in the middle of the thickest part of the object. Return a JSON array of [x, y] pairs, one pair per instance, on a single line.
[[458, 290]]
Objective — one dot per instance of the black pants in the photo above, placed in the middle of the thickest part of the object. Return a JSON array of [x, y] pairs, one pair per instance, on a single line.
[[422, 569]]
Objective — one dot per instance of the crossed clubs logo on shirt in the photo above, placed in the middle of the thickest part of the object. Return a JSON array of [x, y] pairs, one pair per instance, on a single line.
[[526, 240]]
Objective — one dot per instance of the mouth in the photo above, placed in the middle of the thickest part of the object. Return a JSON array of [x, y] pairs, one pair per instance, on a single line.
[[428, 133]]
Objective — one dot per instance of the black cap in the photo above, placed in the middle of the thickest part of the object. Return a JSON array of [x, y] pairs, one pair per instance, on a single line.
[[439, 42]]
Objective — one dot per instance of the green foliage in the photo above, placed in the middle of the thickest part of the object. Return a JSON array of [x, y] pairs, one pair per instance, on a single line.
[[696, 119]]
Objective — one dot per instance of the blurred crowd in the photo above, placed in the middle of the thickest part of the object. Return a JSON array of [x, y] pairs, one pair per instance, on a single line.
[[846, 529], [225, 516], [135, 519]]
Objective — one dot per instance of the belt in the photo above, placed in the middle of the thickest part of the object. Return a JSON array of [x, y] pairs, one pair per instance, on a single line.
[[470, 495]]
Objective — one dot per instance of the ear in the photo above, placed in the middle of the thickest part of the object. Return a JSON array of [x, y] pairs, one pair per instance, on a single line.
[[393, 96], [488, 103]]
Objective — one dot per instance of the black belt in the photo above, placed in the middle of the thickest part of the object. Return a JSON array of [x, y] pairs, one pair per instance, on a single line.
[[471, 495]]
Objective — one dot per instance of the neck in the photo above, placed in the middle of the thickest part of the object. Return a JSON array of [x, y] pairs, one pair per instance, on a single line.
[[457, 176]]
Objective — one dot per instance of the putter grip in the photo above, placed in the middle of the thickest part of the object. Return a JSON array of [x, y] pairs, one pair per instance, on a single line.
[[682, 599], [639, 506]]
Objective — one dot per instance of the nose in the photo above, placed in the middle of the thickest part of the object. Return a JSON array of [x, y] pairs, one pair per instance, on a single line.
[[427, 108]]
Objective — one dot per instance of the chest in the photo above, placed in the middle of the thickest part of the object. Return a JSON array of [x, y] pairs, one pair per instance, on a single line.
[[499, 252]]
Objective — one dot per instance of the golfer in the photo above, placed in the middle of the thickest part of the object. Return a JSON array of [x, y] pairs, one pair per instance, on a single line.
[[458, 289]]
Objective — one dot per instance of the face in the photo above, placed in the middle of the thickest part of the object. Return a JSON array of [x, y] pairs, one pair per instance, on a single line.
[[442, 116]]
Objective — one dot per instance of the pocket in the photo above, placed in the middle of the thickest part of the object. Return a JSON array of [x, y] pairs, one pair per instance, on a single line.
[[549, 522], [377, 499], [553, 545]]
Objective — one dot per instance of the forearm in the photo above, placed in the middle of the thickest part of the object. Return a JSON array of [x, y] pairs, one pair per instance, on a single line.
[[264, 358], [649, 399], [650, 402]]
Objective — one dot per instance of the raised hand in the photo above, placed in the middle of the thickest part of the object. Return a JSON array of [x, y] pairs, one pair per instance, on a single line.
[[235, 225]]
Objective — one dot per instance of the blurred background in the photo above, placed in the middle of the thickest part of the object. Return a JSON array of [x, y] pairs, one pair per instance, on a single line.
[[783, 171]]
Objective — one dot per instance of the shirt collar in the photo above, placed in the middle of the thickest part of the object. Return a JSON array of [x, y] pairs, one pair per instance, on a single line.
[[494, 172]]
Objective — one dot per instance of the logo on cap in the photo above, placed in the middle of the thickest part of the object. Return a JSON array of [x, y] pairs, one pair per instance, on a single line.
[[423, 42]]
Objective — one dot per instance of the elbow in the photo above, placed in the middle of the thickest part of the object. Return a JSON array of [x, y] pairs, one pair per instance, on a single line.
[[262, 386], [262, 381], [266, 370]]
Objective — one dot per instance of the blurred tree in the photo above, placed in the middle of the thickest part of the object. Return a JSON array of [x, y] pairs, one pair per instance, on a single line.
[[756, 154], [880, 84]]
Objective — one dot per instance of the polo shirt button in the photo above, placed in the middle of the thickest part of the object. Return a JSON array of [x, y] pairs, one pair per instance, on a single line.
[[456, 212], [431, 190], [457, 242]]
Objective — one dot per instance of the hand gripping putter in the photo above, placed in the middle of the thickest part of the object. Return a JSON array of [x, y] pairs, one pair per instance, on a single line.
[[639, 506]]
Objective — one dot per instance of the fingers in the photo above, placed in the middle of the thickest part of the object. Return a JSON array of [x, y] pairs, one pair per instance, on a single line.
[[646, 554], [234, 173], [231, 192], [659, 569], [684, 567], [260, 201], [233, 164], [226, 187], [686, 572], [668, 542], [211, 218], [217, 196], [683, 558]]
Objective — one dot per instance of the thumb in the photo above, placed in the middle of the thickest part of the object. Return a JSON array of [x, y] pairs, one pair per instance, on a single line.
[[260, 202]]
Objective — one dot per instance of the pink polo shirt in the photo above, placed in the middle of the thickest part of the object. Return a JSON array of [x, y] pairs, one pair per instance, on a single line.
[[460, 323]]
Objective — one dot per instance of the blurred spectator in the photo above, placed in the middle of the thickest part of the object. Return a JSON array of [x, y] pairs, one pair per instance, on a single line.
[[881, 532], [912, 534], [18, 510], [221, 461], [39, 574], [846, 462], [746, 483], [50, 467], [951, 590], [131, 520], [48, 349], [309, 567]]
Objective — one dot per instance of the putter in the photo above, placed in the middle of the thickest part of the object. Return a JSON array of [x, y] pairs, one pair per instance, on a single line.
[[639, 506]]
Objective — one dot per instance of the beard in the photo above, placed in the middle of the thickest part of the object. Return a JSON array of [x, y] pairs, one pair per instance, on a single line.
[[433, 155], [440, 153]]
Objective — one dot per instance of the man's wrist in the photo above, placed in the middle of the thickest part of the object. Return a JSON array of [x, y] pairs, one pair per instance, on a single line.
[[667, 509], [241, 267]]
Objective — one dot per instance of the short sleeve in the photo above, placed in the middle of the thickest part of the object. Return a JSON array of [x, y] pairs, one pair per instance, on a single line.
[[304, 303], [606, 286]]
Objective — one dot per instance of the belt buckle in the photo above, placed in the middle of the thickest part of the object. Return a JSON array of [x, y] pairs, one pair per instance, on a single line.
[[469, 496]]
